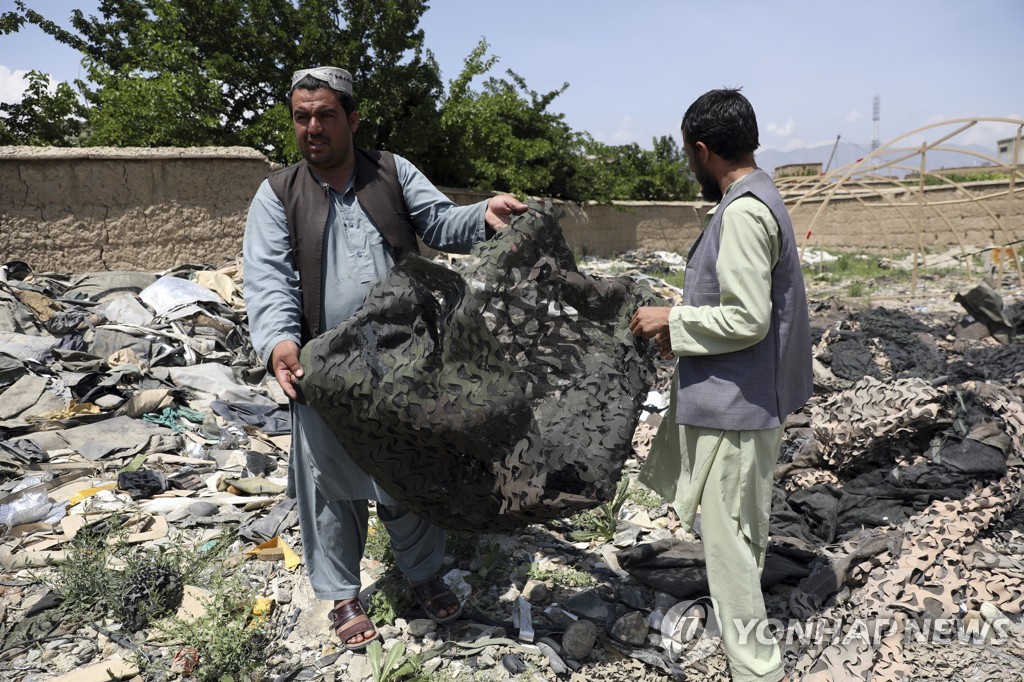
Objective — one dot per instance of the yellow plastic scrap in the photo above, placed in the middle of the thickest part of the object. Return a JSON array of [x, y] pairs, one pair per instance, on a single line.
[[89, 492], [260, 612], [274, 550], [262, 606]]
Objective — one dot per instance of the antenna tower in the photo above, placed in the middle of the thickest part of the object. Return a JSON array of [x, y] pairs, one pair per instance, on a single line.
[[874, 118]]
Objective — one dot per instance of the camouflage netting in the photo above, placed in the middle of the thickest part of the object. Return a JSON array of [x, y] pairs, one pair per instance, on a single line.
[[943, 563], [500, 392]]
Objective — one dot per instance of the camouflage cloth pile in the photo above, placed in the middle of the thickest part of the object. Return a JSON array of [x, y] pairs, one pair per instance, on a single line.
[[500, 392], [941, 567]]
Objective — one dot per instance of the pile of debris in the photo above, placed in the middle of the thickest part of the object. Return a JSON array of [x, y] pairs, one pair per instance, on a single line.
[[132, 406]]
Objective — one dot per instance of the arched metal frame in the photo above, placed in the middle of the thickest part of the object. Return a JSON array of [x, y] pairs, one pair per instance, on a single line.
[[862, 180]]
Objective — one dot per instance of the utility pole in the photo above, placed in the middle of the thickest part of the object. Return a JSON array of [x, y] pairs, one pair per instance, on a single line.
[[875, 117], [832, 155]]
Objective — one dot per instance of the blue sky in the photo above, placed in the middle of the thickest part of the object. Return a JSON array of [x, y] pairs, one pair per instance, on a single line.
[[811, 68]]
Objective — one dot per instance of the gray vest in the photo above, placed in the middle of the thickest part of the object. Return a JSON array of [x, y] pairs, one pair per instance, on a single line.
[[754, 388]]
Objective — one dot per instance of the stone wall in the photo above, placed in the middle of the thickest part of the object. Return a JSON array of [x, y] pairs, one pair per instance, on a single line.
[[75, 210]]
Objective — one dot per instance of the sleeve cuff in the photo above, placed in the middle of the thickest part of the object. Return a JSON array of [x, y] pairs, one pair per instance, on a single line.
[[676, 329], [272, 344]]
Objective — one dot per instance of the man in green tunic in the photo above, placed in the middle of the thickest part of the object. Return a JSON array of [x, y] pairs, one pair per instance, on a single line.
[[742, 337]]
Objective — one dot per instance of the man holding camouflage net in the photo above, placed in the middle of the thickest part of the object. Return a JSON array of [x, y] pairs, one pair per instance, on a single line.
[[318, 234], [742, 336]]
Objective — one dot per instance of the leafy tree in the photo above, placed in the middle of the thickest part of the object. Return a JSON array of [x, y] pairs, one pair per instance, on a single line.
[[503, 137], [160, 96], [660, 174], [397, 81], [187, 72], [41, 117], [631, 172], [673, 180], [192, 72]]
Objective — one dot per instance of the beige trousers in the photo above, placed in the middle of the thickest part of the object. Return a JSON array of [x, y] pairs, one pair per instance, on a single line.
[[728, 475]]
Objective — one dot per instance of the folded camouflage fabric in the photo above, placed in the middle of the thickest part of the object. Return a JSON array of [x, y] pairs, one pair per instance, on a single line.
[[500, 392]]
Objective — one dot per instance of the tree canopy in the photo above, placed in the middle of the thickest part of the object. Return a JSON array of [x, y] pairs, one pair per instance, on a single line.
[[196, 73]]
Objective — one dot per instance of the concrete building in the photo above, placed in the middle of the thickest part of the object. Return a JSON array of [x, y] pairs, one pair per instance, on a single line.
[[797, 170], [1005, 151]]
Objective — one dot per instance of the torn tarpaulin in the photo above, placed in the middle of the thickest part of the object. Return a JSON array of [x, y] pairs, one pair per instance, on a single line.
[[501, 392]]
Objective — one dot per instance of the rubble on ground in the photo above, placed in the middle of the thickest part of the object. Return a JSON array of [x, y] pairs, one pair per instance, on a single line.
[[134, 401]]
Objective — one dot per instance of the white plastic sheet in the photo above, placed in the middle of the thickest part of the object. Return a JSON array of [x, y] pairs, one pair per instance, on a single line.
[[168, 293]]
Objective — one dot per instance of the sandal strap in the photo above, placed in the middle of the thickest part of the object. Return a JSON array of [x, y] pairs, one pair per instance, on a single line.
[[435, 595], [348, 620]]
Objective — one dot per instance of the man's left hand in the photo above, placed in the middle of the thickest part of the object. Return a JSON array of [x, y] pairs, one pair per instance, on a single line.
[[500, 210], [651, 322]]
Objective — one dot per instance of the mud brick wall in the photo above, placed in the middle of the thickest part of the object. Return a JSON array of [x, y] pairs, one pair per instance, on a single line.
[[77, 210], [896, 221], [606, 230]]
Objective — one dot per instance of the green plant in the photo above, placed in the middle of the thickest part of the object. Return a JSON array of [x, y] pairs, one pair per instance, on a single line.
[[392, 666], [675, 279], [391, 599], [855, 265], [378, 542], [229, 643], [644, 497], [104, 576], [491, 561], [569, 576], [603, 521], [856, 289], [83, 581]]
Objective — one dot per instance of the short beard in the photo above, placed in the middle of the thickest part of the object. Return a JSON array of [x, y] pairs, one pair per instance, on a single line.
[[709, 189]]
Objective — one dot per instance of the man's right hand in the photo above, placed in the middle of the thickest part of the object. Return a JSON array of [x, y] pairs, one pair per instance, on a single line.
[[284, 360]]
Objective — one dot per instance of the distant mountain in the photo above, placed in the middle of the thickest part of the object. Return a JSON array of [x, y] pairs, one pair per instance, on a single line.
[[847, 152]]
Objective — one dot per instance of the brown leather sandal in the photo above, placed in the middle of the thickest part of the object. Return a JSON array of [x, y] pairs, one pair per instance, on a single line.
[[348, 620], [435, 596]]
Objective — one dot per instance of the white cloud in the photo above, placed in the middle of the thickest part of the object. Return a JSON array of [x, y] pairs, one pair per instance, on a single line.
[[625, 133], [797, 143], [784, 130], [853, 117], [12, 84]]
